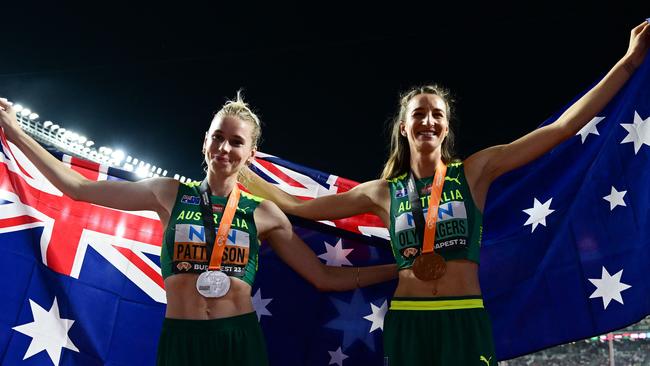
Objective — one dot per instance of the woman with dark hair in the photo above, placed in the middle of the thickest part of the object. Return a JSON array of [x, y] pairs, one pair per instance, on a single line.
[[209, 318], [432, 206]]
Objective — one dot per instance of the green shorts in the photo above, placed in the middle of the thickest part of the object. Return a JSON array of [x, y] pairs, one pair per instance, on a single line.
[[438, 331], [237, 340]]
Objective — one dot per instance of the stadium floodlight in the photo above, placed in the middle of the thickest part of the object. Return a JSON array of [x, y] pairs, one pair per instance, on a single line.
[[135, 161], [129, 158], [156, 175], [82, 139], [177, 177], [147, 165], [182, 179], [25, 112], [61, 131], [73, 136], [54, 128], [128, 167], [141, 172], [164, 173], [18, 108], [47, 124], [118, 155], [33, 116], [158, 171], [90, 143], [153, 168]]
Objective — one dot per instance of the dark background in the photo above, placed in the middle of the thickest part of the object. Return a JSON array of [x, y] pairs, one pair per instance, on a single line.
[[324, 77]]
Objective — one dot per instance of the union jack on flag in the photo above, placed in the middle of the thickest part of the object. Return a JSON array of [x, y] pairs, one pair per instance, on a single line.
[[82, 285], [77, 277]]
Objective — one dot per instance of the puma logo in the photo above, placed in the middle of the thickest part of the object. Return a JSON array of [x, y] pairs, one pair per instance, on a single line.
[[243, 210], [486, 360], [454, 179]]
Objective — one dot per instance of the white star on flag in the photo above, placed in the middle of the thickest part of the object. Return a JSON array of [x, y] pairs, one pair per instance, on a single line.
[[590, 128], [260, 304], [336, 255], [615, 198], [48, 332], [377, 316], [337, 357], [637, 132], [609, 287], [538, 213]]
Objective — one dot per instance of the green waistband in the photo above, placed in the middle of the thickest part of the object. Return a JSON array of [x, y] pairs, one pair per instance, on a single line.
[[436, 303]]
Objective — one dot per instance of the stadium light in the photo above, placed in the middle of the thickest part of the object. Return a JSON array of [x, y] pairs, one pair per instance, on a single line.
[[141, 172], [118, 155], [52, 134]]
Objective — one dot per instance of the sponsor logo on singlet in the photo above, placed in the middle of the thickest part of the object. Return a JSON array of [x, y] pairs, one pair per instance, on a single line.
[[451, 229], [446, 211], [190, 247]]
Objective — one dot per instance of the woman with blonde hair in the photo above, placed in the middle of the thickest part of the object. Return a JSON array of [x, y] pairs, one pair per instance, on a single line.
[[212, 234]]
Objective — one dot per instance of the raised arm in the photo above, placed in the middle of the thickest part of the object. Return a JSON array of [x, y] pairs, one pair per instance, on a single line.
[[272, 224], [370, 196], [486, 165], [149, 194]]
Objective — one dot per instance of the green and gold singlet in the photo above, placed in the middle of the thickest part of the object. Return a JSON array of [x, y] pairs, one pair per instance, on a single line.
[[459, 227], [184, 249]]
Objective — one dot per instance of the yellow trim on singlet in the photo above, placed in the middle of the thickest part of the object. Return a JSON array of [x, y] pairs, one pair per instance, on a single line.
[[437, 304]]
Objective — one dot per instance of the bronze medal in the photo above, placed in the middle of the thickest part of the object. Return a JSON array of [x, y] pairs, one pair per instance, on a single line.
[[429, 266]]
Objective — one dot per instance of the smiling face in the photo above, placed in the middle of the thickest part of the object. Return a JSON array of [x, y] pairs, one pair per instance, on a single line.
[[425, 122], [228, 145]]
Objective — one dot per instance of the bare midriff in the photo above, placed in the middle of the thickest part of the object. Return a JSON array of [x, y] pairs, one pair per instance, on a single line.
[[460, 279], [184, 301]]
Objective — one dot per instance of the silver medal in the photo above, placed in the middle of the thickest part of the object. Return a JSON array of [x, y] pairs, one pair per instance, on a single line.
[[213, 284]]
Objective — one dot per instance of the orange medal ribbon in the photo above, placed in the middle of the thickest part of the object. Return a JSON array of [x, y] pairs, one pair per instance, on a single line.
[[432, 212], [224, 228]]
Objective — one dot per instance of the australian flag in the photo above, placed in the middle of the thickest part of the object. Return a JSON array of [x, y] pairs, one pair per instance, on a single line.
[[566, 246], [564, 257], [82, 283]]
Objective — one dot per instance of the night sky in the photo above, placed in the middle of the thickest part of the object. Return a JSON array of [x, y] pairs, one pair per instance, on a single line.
[[324, 77]]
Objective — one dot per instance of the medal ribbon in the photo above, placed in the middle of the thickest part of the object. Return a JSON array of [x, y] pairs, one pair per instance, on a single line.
[[432, 212], [219, 243]]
